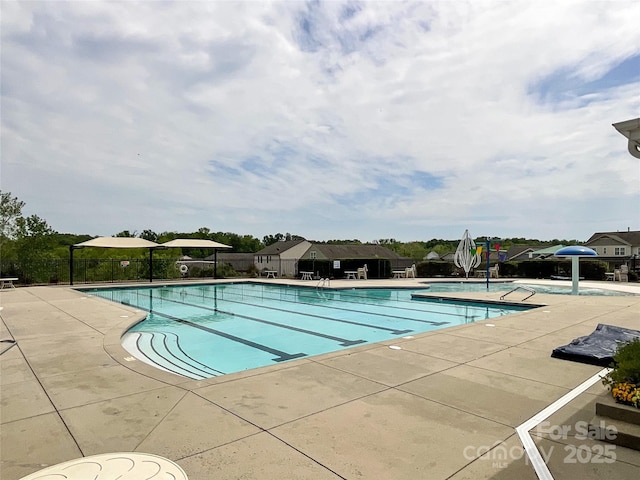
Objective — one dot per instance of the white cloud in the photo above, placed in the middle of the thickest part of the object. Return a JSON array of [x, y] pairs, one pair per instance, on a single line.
[[328, 120]]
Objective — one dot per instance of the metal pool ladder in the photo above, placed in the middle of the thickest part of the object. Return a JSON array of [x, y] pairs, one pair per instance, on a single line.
[[322, 284], [531, 291]]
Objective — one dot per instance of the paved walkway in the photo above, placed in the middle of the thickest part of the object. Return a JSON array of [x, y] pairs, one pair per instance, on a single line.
[[444, 406]]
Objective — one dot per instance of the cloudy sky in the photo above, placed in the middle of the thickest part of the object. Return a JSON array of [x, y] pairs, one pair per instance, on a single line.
[[329, 120]]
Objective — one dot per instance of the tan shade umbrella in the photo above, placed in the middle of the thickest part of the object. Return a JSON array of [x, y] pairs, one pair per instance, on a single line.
[[117, 242], [193, 243], [114, 242]]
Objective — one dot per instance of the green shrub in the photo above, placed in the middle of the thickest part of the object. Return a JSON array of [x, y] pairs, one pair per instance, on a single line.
[[626, 364], [624, 379], [434, 268], [252, 270], [226, 270]]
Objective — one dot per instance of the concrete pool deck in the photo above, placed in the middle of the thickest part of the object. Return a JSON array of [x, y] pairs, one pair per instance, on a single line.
[[443, 406]]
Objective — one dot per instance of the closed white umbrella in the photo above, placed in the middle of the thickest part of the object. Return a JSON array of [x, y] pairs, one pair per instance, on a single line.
[[466, 256]]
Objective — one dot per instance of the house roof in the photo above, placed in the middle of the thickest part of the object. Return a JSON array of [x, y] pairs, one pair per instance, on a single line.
[[624, 238], [548, 250], [519, 250], [278, 247], [340, 252]]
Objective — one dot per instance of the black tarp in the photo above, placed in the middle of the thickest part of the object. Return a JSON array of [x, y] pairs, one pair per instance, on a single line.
[[597, 348]]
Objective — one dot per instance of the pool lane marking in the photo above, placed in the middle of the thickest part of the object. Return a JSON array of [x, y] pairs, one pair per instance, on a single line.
[[539, 465], [395, 331], [431, 322], [282, 356], [175, 339], [289, 327], [347, 295], [147, 340], [342, 341], [139, 352]]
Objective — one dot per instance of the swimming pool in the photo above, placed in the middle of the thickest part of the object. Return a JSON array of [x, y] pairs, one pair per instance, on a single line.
[[202, 331]]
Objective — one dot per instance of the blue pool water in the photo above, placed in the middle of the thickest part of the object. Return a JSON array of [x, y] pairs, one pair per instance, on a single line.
[[201, 331]]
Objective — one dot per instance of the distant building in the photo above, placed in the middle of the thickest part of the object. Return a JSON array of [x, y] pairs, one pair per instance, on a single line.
[[352, 256], [432, 256], [281, 257], [617, 248]]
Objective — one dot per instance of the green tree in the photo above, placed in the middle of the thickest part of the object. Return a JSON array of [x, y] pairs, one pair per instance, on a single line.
[[10, 212], [355, 241], [34, 246], [34, 238], [203, 233], [415, 250], [149, 235], [271, 239]]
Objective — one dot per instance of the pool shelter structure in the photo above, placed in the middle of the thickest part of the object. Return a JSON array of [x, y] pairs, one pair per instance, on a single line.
[[134, 242]]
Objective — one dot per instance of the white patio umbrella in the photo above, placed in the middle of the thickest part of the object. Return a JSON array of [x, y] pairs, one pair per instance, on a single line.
[[466, 256]]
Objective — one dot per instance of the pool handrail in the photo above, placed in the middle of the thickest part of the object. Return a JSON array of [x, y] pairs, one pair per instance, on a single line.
[[531, 291]]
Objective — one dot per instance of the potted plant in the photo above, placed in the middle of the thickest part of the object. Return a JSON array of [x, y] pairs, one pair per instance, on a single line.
[[624, 378]]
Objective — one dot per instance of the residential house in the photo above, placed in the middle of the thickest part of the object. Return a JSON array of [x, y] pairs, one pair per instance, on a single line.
[[281, 257], [333, 260], [617, 248], [519, 253]]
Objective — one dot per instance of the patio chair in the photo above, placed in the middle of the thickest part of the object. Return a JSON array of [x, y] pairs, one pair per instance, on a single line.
[[493, 271], [622, 274], [362, 272], [410, 272]]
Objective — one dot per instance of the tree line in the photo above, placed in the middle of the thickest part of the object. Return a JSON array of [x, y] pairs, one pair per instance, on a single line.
[[31, 239]]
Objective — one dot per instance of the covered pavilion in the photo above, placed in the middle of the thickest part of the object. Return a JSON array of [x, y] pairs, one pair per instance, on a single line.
[[134, 242]]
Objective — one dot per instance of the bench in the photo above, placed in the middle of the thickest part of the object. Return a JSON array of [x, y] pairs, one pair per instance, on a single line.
[[8, 282], [351, 274]]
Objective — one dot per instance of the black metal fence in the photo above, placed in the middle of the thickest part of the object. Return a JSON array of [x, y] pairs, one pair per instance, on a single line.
[[53, 271], [90, 270]]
